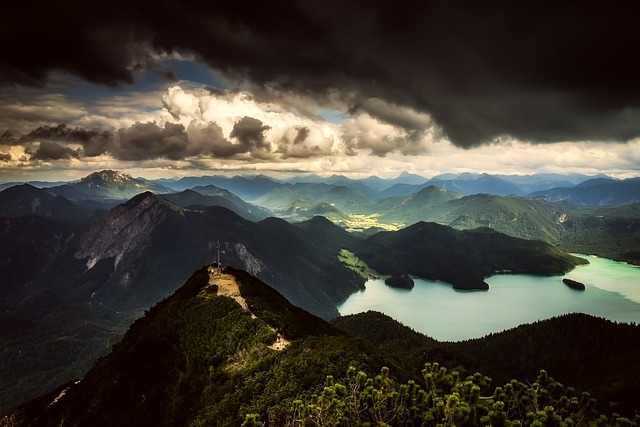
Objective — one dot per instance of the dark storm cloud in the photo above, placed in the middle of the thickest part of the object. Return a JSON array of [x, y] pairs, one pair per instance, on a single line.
[[149, 141], [301, 136], [393, 114], [250, 134], [146, 141], [296, 144], [94, 142], [536, 70], [209, 140], [53, 151], [8, 137]]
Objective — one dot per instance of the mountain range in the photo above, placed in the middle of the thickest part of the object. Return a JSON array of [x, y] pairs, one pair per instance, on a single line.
[[80, 262], [579, 189], [556, 187], [596, 192]]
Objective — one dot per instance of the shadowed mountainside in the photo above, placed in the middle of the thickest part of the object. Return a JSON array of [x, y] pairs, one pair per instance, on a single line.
[[590, 353], [75, 288], [26, 200], [201, 359]]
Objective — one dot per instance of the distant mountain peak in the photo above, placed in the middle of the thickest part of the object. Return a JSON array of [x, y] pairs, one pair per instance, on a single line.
[[139, 198], [406, 174], [148, 198], [432, 189], [108, 185], [108, 176]]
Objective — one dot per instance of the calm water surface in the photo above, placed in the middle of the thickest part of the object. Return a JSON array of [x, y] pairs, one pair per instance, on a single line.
[[435, 309]]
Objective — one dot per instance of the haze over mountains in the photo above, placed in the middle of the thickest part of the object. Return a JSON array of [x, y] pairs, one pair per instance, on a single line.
[[253, 187], [80, 261]]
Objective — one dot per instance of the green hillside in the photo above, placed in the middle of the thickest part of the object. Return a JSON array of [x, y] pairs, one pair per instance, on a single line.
[[418, 206], [515, 216], [462, 258], [611, 232], [227, 350]]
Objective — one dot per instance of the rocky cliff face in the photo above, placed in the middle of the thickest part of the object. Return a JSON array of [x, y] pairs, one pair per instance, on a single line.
[[249, 262], [123, 230]]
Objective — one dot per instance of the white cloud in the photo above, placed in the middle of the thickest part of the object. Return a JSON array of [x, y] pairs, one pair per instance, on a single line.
[[179, 103], [365, 132], [284, 128]]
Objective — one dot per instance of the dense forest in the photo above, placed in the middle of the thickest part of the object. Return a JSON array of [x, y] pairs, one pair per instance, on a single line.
[[577, 349]]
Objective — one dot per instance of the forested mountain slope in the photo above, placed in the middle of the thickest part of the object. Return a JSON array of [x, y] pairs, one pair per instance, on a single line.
[[225, 349], [586, 352], [462, 258]]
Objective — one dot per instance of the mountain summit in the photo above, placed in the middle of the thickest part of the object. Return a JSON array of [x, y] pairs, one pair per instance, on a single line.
[[107, 185], [107, 177]]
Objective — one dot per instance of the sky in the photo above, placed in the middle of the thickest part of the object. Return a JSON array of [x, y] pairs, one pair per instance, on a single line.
[[175, 88]]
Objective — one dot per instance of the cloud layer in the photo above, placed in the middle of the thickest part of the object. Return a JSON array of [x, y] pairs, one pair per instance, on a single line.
[[193, 131], [537, 71], [192, 126]]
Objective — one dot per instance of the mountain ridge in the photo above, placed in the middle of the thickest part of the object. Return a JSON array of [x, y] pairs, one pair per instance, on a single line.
[[101, 273], [25, 199]]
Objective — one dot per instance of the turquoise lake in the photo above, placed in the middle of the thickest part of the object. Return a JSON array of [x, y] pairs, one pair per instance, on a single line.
[[435, 309]]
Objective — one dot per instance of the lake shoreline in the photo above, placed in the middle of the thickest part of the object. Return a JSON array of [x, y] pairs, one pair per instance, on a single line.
[[446, 314]]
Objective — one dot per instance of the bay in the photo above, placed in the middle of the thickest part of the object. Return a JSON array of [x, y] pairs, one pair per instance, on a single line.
[[435, 309]]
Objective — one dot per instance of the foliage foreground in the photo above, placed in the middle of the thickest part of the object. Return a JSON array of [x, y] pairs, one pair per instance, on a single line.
[[445, 399]]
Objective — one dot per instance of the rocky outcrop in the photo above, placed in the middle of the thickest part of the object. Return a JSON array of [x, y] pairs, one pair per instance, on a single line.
[[123, 229], [250, 263]]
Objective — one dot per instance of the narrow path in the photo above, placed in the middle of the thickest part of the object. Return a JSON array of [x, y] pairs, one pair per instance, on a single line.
[[280, 344], [228, 287]]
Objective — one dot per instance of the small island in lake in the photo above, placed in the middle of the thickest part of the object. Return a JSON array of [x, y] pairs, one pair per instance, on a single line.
[[573, 284], [404, 282]]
